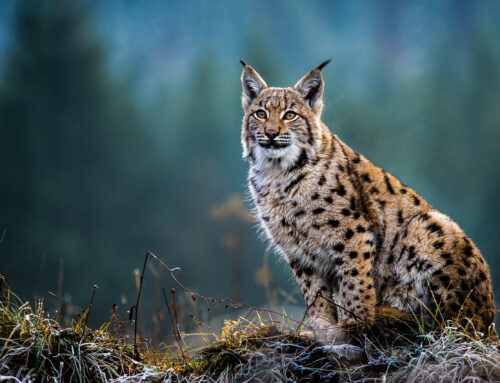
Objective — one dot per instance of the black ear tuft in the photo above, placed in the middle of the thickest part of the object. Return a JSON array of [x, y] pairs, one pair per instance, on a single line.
[[323, 64], [243, 63]]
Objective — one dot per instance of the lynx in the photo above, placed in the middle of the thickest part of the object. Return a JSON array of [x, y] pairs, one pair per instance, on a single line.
[[351, 232]]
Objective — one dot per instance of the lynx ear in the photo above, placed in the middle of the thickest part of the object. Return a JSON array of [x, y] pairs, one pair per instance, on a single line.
[[311, 88], [252, 85]]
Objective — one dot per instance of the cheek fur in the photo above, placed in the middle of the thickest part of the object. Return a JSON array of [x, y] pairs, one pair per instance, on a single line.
[[247, 138], [300, 133]]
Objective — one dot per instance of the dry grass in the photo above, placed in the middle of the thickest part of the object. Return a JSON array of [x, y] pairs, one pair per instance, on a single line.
[[34, 347]]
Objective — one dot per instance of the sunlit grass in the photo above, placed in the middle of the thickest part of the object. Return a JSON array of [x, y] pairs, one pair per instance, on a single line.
[[34, 347]]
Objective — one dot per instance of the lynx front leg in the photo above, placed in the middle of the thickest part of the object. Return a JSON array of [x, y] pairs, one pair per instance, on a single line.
[[357, 298], [322, 313]]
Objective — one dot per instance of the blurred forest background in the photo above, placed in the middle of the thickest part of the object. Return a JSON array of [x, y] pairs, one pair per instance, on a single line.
[[120, 125]]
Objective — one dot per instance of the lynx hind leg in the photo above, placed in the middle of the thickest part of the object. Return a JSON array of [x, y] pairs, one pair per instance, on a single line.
[[323, 316], [449, 277]]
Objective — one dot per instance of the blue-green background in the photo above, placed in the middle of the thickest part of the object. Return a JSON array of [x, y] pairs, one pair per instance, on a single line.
[[120, 124]]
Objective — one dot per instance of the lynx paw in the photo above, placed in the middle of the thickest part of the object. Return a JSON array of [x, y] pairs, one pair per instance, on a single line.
[[325, 331]]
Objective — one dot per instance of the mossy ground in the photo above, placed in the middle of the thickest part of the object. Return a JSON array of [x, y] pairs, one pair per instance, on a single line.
[[34, 347]]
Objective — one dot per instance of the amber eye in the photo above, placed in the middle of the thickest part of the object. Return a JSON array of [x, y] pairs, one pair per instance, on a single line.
[[260, 114], [289, 115]]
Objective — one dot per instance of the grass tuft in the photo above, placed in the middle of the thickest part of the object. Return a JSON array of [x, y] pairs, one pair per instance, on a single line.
[[34, 347]]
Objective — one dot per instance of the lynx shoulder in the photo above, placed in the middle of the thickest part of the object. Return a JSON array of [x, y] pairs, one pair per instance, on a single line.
[[350, 231]]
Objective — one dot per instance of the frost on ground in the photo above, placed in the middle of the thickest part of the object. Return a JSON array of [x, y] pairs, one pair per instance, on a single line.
[[34, 348]]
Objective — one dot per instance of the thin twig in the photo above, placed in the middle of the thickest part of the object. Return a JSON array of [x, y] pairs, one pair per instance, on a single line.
[[136, 351], [307, 310], [87, 313], [60, 300], [319, 295], [228, 302], [177, 336], [175, 314]]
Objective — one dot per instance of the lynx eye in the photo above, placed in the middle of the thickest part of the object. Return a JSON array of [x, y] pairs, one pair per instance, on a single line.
[[289, 116], [260, 114]]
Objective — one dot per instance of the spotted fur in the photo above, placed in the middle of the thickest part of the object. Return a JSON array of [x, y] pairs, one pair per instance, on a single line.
[[350, 231]]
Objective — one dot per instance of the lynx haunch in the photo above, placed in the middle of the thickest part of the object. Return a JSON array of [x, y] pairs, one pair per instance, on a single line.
[[350, 231]]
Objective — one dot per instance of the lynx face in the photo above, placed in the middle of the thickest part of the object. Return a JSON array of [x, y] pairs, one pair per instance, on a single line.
[[281, 124]]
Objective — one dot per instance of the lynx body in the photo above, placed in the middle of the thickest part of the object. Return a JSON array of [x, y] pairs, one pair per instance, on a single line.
[[350, 231]]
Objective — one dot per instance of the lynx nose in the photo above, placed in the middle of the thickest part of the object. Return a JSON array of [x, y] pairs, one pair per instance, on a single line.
[[271, 133]]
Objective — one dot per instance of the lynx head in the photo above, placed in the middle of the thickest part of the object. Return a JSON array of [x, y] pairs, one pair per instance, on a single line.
[[281, 125]]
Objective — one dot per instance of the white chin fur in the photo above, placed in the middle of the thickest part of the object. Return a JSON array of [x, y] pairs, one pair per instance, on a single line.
[[287, 155]]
